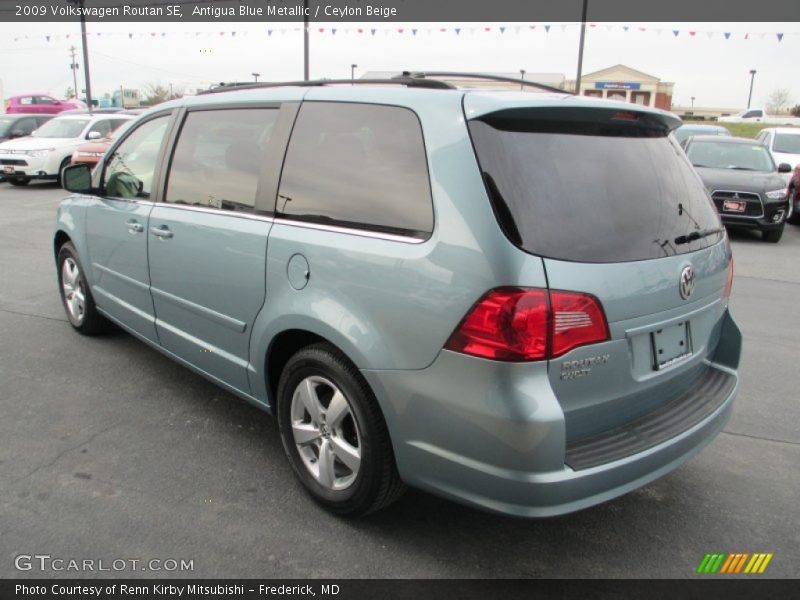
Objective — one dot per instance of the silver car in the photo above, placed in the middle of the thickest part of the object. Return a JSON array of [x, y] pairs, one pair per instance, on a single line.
[[515, 300]]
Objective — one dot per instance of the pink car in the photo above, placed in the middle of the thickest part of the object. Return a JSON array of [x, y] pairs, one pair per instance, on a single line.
[[40, 104]]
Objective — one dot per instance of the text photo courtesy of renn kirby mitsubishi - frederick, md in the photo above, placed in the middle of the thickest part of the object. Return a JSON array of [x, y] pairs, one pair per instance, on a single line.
[[395, 298]]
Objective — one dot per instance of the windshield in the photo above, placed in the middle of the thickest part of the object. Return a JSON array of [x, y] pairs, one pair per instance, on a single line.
[[719, 155], [788, 143], [5, 125], [613, 196], [61, 128]]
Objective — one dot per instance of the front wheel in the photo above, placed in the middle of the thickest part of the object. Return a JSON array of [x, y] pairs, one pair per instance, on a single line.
[[76, 296], [334, 433], [64, 164]]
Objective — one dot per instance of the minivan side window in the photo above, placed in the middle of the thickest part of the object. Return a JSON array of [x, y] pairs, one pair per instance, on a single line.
[[129, 171], [357, 165], [218, 156]]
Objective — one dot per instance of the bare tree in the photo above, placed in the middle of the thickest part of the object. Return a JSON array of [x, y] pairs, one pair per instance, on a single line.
[[778, 100], [70, 93], [155, 93]]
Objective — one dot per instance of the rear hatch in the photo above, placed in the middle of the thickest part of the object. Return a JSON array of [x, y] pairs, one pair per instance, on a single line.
[[604, 197]]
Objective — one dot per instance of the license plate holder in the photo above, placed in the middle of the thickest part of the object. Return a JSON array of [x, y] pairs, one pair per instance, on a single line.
[[671, 345], [8, 168], [737, 206]]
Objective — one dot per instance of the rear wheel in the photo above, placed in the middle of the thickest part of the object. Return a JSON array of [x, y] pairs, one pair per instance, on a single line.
[[334, 433], [773, 236], [76, 295], [19, 182]]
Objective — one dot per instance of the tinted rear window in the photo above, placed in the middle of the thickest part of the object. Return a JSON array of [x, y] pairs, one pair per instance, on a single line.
[[620, 194]]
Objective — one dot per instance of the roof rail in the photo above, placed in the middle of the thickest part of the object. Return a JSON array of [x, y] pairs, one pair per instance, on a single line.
[[436, 74], [400, 80]]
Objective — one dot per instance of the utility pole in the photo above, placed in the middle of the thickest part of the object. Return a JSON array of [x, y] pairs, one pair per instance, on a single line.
[[752, 79], [74, 67], [522, 77], [122, 96], [305, 40], [256, 76], [85, 44], [580, 48], [353, 74], [692, 101]]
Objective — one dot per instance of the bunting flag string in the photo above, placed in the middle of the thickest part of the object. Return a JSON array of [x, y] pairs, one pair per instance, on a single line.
[[545, 29]]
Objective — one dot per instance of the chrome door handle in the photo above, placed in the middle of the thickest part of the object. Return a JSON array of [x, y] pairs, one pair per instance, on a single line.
[[161, 231], [135, 227]]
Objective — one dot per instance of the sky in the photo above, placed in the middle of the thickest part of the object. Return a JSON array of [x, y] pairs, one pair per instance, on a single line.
[[706, 65]]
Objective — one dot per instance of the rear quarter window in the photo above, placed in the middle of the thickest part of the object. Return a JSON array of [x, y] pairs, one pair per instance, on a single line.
[[357, 165]]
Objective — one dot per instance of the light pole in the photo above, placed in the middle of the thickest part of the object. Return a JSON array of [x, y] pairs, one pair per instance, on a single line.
[[353, 74], [580, 48], [522, 77], [692, 101], [256, 76], [752, 79], [85, 45], [305, 41]]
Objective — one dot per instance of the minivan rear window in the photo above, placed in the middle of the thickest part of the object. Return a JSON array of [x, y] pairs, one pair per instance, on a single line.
[[594, 193]]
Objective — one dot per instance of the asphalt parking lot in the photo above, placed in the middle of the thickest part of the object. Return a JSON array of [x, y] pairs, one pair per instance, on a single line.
[[110, 451]]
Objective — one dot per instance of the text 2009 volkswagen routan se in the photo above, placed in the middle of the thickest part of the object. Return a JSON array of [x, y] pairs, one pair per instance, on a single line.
[[515, 300]]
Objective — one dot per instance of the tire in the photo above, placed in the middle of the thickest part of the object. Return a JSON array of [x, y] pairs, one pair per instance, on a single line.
[[19, 182], [309, 384], [794, 218], [81, 312], [774, 236], [64, 164]]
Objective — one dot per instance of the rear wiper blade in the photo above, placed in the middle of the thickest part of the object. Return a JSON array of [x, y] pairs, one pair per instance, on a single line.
[[696, 235]]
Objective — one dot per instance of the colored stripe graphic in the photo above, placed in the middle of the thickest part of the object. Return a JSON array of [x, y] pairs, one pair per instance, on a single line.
[[733, 563]]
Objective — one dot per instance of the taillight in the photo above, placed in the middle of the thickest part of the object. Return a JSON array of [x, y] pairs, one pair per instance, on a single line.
[[728, 280], [524, 324]]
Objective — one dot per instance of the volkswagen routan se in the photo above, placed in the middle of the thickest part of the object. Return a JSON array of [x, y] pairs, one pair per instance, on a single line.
[[515, 300]]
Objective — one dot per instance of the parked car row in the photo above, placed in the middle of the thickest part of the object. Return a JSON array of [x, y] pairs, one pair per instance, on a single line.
[[40, 104], [48, 149]]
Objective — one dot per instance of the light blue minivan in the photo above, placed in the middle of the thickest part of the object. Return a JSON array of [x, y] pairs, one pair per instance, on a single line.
[[515, 300]]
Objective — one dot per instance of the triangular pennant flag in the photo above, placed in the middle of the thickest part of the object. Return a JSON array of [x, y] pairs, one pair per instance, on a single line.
[[233, 34], [747, 36], [676, 32], [372, 31], [547, 28], [780, 36], [625, 27], [502, 30], [333, 31], [487, 28], [458, 30], [642, 28], [727, 35], [592, 24], [163, 33], [360, 30], [269, 32], [532, 26], [130, 36], [413, 32], [322, 30], [400, 30], [692, 33], [48, 37]]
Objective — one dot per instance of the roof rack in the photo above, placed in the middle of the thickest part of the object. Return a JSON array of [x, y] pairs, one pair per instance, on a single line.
[[489, 77], [400, 80], [420, 79]]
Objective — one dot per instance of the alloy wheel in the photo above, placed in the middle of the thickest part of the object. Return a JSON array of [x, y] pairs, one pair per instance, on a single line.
[[325, 433], [74, 292]]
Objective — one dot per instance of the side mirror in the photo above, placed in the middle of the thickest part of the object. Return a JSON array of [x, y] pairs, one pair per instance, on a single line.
[[77, 179], [94, 135], [18, 134], [784, 168]]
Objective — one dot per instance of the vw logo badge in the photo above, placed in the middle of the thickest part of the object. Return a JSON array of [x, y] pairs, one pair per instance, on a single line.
[[686, 283]]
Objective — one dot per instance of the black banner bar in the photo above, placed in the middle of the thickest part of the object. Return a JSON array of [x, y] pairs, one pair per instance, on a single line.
[[332, 11], [730, 588]]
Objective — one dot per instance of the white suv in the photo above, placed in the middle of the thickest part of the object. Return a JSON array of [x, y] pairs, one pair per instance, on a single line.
[[45, 153], [784, 145]]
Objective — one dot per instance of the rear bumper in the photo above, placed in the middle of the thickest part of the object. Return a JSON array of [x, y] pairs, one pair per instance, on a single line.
[[492, 435]]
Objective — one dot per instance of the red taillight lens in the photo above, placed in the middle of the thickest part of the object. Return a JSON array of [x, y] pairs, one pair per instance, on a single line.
[[728, 280], [506, 324], [515, 324]]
